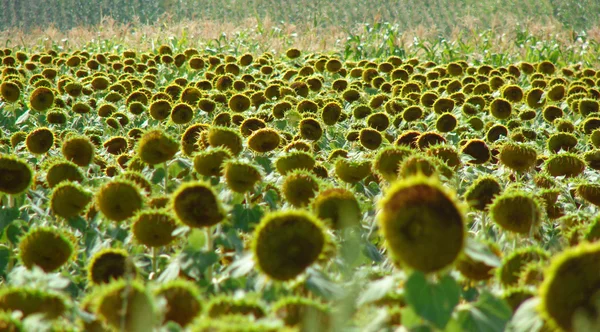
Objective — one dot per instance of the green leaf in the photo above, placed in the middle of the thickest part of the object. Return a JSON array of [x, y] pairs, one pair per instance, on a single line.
[[319, 284], [432, 301], [194, 262], [481, 252], [7, 216], [4, 258], [244, 218], [158, 175], [487, 314], [527, 317], [196, 239], [376, 290]]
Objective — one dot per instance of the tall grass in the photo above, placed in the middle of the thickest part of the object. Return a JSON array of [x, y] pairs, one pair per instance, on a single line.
[[444, 15]]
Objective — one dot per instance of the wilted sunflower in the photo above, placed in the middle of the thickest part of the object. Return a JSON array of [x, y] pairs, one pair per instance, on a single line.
[[209, 162], [482, 192], [518, 157], [154, 228], [63, 170], [570, 289], [108, 264], [29, 301], [10, 91], [119, 200], [196, 205], [225, 137], [15, 175], [299, 187], [352, 171], [294, 160], [183, 301], [78, 149], [47, 248], [126, 305], [417, 212], [156, 147], [264, 140], [287, 242], [337, 207], [41, 99], [516, 211], [565, 164], [241, 176], [69, 199]]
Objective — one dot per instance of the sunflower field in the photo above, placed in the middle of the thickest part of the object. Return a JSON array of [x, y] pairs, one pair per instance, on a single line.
[[190, 189]]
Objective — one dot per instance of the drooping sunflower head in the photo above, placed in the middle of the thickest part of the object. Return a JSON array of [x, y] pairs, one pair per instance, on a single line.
[[299, 188], [337, 207], [69, 199], [153, 228], [155, 147], [108, 264], [124, 304], [29, 301], [41, 99], [518, 157], [15, 175], [78, 149], [39, 140], [210, 161], [183, 301], [197, 205], [417, 212], [514, 263], [287, 242], [570, 288], [119, 199], [241, 176], [482, 192], [47, 248]]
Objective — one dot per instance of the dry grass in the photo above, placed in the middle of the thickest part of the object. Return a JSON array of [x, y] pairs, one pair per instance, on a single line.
[[267, 35]]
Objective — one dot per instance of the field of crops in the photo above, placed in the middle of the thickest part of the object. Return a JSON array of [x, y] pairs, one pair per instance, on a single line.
[[370, 189]]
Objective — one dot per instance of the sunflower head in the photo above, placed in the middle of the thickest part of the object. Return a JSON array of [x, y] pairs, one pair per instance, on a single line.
[[183, 301], [124, 304], [209, 162], [241, 176], [108, 264], [264, 140], [417, 212], [46, 248], [337, 207], [119, 199], [303, 312], [570, 288], [287, 242], [352, 171], [294, 160], [513, 264], [299, 187], [33, 301], [15, 175], [78, 149], [197, 205], [156, 147], [41, 99], [518, 157], [69, 199]]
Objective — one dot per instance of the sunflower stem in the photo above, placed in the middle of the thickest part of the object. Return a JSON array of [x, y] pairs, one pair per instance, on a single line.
[[166, 179], [484, 224], [154, 260], [209, 248], [9, 201]]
